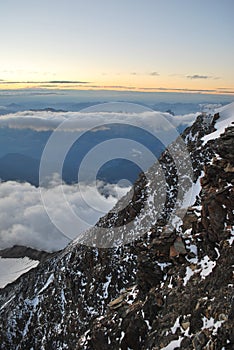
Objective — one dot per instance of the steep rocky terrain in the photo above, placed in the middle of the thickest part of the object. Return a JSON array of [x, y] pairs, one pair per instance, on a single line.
[[186, 299], [170, 287]]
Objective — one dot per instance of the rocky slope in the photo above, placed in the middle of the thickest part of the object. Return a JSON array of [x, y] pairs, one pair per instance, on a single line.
[[167, 288], [186, 300]]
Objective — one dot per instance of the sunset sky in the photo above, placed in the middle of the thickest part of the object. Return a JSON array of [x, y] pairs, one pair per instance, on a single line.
[[145, 45]]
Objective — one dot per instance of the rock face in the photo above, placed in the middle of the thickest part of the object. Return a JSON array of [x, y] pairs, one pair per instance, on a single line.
[[18, 251], [186, 300], [171, 288]]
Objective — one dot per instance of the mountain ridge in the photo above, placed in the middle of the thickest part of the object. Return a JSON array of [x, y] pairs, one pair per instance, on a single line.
[[82, 283]]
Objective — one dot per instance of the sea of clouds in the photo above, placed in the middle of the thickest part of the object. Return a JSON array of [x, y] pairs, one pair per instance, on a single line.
[[23, 218], [49, 121]]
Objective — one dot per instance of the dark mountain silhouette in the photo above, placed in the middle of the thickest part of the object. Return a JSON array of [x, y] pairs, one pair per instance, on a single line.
[[25, 147], [18, 251]]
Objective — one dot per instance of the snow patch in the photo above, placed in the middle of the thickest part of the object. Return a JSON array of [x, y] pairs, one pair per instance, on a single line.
[[189, 273], [106, 286], [226, 119], [11, 269], [192, 194], [207, 266], [210, 323], [176, 326], [231, 239], [173, 344], [48, 282]]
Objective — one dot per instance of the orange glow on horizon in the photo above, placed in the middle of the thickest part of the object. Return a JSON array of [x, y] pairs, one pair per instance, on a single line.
[[133, 84]]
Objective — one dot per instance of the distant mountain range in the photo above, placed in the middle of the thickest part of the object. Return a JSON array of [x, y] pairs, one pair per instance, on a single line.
[[18, 167], [23, 150]]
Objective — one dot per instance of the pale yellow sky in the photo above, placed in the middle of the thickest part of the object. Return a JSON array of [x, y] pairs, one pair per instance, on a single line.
[[154, 45]]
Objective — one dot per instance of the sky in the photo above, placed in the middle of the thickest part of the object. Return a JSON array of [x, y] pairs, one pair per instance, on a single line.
[[149, 45]]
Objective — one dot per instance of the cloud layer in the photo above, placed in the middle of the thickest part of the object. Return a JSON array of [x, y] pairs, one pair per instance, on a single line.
[[82, 121], [24, 221]]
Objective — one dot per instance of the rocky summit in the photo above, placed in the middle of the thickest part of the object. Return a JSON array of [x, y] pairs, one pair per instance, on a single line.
[[169, 288]]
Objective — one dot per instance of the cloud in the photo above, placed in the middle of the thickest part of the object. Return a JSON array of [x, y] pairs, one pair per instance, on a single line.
[[66, 82], [186, 119], [154, 74], [198, 76], [231, 92], [157, 88], [38, 121], [28, 223], [124, 87], [185, 90], [5, 82], [209, 107], [225, 88], [125, 113]]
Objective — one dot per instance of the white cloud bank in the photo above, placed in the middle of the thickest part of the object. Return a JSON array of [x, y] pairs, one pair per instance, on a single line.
[[83, 121], [24, 221], [160, 125]]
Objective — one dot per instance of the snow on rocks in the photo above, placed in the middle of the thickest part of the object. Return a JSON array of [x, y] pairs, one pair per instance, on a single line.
[[176, 300], [226, 119]]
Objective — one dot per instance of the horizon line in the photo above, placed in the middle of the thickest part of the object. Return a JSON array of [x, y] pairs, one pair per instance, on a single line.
[[120, 89]]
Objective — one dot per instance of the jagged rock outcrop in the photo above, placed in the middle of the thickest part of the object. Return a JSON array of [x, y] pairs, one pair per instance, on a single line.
[[169, 288], [18, 251]]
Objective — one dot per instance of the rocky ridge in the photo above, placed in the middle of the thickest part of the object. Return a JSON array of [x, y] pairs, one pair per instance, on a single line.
[[166, 289], [18, 251], [186, 301]]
